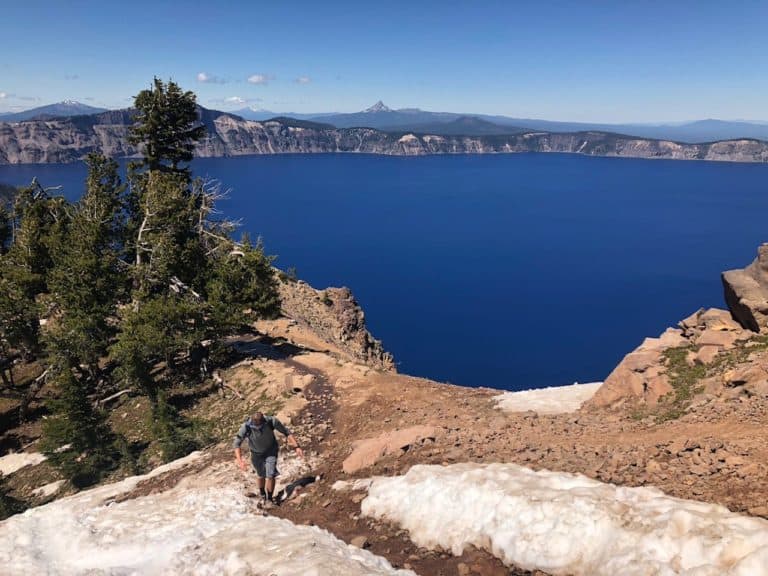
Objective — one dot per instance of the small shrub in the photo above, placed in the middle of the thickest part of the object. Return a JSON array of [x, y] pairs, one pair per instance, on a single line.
[[684, 380], [289, 275]]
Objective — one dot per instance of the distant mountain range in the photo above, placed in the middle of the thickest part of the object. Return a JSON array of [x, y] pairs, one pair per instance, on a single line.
[[382, 117], [64, 109], [70, 139]]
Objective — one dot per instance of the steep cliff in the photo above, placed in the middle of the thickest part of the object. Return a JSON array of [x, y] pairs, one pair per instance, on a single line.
[[711, 356], [336, 317], [70, 139]]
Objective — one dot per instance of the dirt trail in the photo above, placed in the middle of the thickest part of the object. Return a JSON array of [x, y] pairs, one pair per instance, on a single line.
[[716, 454]]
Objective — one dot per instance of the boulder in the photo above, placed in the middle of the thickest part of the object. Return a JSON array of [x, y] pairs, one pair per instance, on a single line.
[[752, 379], [710, 319], [692, 322], [367, 452], [717, 319], [655, 388], [718, 338], [640, 376], [671, 338], [707, 354], [640, 360], [746, 292], [757, 388]]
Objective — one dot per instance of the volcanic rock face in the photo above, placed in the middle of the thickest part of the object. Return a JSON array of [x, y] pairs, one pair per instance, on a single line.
[[643, 377], [746, 292], [71, 139], [334, 315]]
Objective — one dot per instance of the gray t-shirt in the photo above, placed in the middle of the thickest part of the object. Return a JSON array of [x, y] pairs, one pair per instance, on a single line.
[[261, 440]]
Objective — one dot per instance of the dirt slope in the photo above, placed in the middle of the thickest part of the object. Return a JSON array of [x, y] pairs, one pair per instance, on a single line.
[[717, 452]]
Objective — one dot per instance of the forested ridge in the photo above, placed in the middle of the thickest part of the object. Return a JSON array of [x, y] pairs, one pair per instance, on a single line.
[[131, 288]]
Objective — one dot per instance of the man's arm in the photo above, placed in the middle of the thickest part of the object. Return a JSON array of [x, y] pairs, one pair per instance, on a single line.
[[239, 459], [236, 444], [294, 444], [290, 437]]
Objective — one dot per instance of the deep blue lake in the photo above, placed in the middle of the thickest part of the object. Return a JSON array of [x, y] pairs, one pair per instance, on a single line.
[[510, 271]]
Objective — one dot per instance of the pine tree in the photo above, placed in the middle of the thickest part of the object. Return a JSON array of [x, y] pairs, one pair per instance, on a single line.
[[87, 277], [77, 439], [243, 286], [39, 226], [5, 228], [167, 126], [85, 282], [34, 231], [7, 198], [167, 315], [167, 245]]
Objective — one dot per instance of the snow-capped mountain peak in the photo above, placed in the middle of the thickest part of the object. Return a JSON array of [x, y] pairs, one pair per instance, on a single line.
[[379, 107]]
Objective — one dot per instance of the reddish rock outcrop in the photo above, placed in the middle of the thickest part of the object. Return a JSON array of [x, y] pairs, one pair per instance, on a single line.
[[335, 316], [641, 377], [746, 292], [367, 452]]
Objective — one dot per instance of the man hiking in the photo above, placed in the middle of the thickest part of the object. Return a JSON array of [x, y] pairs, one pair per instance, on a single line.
[[260, 432]]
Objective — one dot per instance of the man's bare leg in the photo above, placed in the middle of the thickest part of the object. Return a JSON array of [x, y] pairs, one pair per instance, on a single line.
[[270, 486], [261, 481]]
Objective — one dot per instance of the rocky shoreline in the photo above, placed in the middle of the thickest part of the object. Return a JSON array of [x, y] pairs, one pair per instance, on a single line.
[[337, 319], [71, 139], [712, 356]]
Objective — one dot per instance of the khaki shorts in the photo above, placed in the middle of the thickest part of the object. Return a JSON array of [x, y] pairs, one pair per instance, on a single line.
[[265, 466]]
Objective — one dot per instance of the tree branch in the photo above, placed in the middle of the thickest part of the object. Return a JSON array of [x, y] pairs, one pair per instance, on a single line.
[[114, 396]]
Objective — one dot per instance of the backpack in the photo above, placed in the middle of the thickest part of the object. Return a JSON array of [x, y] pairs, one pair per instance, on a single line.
[[267, 421]]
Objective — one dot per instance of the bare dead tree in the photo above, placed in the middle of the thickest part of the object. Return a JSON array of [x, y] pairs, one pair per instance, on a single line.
[[34, 388]]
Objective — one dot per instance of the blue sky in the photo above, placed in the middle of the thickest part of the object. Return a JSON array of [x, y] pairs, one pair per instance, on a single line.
[[633, 61]]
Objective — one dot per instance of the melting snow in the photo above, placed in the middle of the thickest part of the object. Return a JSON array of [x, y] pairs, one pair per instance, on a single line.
[[48, 489], [568, 524], [201, 530], [12, 462], [554, 400]]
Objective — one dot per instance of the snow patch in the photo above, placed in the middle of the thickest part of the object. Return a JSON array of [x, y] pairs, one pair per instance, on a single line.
[[202, 529], [553, 400], [568, 524], [48, 489], [407, 138], [10, 463]]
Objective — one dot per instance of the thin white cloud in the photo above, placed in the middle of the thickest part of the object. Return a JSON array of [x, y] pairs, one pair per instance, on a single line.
[[303, 80], [3, 95], [205, 78], [234, 100], [261, 79]]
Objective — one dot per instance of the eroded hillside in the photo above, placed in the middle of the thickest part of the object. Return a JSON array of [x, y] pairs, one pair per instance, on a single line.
[[359, 419], [71, 139]]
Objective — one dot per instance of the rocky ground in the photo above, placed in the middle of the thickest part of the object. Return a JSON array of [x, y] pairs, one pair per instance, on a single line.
[[686, 413], [360, 422]]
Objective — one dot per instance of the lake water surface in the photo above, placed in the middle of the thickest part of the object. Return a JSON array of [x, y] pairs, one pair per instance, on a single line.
[[510, 271]]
